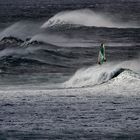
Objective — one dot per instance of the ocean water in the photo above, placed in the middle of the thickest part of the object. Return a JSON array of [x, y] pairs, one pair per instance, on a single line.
[[51, 86]]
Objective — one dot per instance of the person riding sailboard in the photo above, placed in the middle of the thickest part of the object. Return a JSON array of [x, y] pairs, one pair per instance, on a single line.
[[101, 56]]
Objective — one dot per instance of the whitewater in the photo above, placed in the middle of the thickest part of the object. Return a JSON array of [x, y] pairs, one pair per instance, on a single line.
[[51, 86], [79, 105]]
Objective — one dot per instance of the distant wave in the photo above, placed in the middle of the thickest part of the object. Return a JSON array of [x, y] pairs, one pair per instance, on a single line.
[[84, 17], [31, 55], [96, 75], [10, 41], [65, 41], [22, 30], [17, 61]]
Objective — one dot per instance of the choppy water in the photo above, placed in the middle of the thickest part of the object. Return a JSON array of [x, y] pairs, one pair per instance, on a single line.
[[70, 117], [50, 84]]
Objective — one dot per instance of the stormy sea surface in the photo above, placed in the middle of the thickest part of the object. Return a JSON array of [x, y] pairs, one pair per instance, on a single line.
[[51, 86]]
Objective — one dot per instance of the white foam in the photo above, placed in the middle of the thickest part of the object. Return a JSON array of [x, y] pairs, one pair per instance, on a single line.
[[127, 83], [96, 75]]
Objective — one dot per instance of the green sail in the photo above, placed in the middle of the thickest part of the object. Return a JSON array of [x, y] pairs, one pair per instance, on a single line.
[[102, 55]]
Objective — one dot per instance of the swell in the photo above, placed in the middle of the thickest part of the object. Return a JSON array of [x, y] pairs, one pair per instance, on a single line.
[[85, 17], [18, 65], [34, 58], [73, 36]]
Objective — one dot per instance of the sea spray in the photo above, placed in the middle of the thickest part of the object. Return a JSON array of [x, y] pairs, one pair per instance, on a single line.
[[85, 17], [96, 75]]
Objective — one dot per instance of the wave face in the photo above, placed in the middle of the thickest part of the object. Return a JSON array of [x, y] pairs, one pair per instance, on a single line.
[[16, 52], [22, 30], [97, 75], [77, 28], [27, 47], [84, 17]]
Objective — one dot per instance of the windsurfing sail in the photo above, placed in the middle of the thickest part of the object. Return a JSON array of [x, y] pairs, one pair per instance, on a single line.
[[101, 56]]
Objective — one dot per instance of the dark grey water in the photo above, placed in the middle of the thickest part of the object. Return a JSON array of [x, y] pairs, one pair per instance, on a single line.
[[34, 59], [70, 117], [30, 9]]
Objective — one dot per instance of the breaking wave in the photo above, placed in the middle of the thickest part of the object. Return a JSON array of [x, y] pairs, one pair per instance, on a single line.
[[96, 75], [22, 30], [84, 17]]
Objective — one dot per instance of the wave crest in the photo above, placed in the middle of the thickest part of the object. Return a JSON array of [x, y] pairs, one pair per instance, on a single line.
[[22, 30], [96, 75], [84, 17]]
